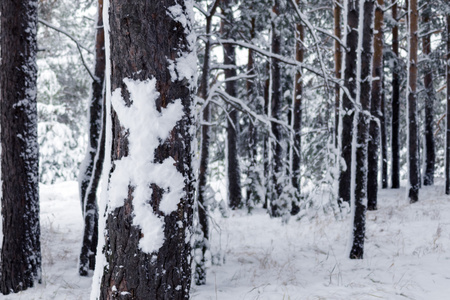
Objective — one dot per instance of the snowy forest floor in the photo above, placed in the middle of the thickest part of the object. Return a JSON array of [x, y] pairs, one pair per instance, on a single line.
[[407, 252]]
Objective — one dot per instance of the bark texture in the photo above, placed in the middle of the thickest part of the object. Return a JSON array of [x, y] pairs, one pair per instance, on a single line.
[[447, 134], [430, 99], [93, 164], [144, 39], [229, 59], [20, 265], [395, 176], [413, 149], [375, 110], [337, 64], [362, 131], [277, 150], [297, 116], [347, 100]]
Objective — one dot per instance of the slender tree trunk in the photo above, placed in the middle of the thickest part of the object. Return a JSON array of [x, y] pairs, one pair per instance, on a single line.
[[413, 149], [92, 167], [297, 117], [430, 156], [384, 146], [203, 245], [337, 65], [395, 105], [275, 104], [20, 266], [447, 141], [347, 102], [266, 141], [362, 129], [375, 110], [150, 194], [229, 59]]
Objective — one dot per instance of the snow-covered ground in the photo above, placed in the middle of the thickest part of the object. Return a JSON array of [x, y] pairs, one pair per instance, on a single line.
[[407, 253]]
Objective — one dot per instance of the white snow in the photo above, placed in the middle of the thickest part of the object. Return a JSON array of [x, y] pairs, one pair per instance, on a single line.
[[407, 252], [138, 169]]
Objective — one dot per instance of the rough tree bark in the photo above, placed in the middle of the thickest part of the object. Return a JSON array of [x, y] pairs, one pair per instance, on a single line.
[[395, 176], [362, 129], [92, 167], [430, 96], [447, 134], [229, 60], [203, 245], [277, 150], [375, 110], [413, 149], [20, 266], [384, 146], [149, 218], [347, 103], [297, 116]]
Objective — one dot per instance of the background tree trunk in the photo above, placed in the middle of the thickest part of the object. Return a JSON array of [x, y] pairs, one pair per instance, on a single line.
[[347, 103], [337, 64], [146, 40], [362, 130], [20, 265], [395, 176], [297, 117], [200, 267], [384, 146], [229, 59], [375, 110], [430, 156], [447, 134], [413, 150], [93, 165]]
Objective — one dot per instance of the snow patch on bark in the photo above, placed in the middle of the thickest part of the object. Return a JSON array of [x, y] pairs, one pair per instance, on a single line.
[[138, 169]]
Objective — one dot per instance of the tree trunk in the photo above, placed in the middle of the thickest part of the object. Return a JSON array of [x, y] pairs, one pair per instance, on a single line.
[[413, 149], [203, 244], [266, 141], [229, 59], [347, 103], [297, 117], [150, 194], [337, 65], [20, 266], [362, 130], [384, 146], [395, 105], [430, 156], [277, 150], [375, 110], [93, 164], [447, 141]]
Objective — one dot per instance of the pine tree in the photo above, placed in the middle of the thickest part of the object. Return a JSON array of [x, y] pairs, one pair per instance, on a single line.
[[152, 67], [91, 169], [447, 134], [413, 150], [375, 110], [362, 127], [20, 266]]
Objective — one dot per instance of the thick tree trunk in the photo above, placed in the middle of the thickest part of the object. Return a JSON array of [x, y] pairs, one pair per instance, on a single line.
[[337, 65], [20, 266], [395, 176], [203, 245], [362, 130], [430, 156], [92, 167], [375, 110], [150, 193], [229, 59], [297, 117], [347, 102], [277, 150], [413, 146], [447, 134]]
